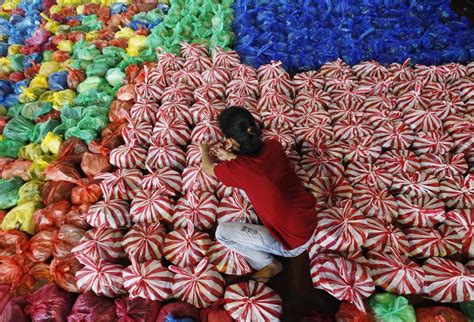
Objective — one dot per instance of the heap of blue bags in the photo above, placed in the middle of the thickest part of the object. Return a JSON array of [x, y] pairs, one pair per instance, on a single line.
[[304, 34]]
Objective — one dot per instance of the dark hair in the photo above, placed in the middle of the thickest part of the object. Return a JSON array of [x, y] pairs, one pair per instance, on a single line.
[[237, 123]]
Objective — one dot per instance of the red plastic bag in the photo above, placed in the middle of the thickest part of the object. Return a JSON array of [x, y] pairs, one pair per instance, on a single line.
[[95, 163], [87, 191], [41, 246], [72, 150], [131, 73], [178, 310], [105, 144], [62, 171], [116, 108], [53, 115], [348, 312], [4, 162], [14, 310], [16, 77], [3, 213], [17, 168], [316, 317], [439, 313], [92, 308], [49, 303], [23, 274], [32, 71], [60, 56], [113, 129], [119, 42], [54, 191], [137, 310], [3, 122], [52, 216], [215, 313], [76, 35], [12, 242], [66, 239], [56, 39], [91, 8], [100, 44], [74, 78], [63, 271], [4, 296], [76, 216], [106, 34], [127, 93]]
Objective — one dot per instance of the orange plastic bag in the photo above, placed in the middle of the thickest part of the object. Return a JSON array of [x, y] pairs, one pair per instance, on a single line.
[[114, 129], [66, 239], [52, 216], [94, 163], [41, 246], [131, 73], [87, 191], [76, 216], [54, 191], [62, 171], [439, 313], [116, 108], [127, 93], [63, 272], [105, 144], [12, 242], [74, 78], [349, 313], [72, 150], [17, 168]]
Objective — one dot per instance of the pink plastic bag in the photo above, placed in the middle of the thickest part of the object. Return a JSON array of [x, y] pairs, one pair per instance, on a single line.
[[178, 310], [137, 310], [49, 303], [14, 311], [92, 308]]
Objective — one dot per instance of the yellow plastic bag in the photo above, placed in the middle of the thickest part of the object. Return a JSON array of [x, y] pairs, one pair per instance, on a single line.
[[65, 45], [31, 152], [39, 81], [14, 50], [80, 9], [92, 35], [61, 98], [54, 9], [125, 33], [65, 64], [37, 168], [3, 110], [30, 191], [21, 217], [46, 97], [49, 67], [30, 94], [135, 44], [10, 4], [5, 65], [51, 143]]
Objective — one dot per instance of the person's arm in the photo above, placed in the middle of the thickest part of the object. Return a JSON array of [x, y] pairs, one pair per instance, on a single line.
[[207, 163]]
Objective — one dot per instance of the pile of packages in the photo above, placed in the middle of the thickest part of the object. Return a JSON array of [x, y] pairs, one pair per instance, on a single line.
[[306, 34]]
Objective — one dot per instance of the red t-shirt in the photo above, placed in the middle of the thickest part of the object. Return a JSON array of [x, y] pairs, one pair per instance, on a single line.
[[282, 203]]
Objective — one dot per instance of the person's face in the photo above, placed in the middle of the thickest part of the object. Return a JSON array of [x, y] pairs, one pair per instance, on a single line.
[[231, 144]]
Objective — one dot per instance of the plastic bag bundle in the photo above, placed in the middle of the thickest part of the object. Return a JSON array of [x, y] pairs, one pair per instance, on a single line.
[[332, 191], [149, 280], [227, 261], [90, 306], [236, 208], [130, 155], [432, 242], [416, 184], [462, 220], [101, 277], [169, 130], [100, 243], [137, 309], [152, 206], [420, 212], [386, 237], [63, 272], [386, 306], [195, 179], [458, 191], [122, 184], [161, 156], [198, 208], [144, 242], [49, 302], [397, 161], [164, 177]]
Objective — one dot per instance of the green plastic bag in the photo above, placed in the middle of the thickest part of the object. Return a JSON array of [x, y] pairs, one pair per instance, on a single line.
[[65, 125], [97, 69], [115, 77], [10, 148], [41, 130], [92, 22], [388, 307], [468, 309], [94, 111], [80, 64], [19, 129], [90, 84], [109, 61], [9, 192], [32, 110], [86, 135], [17, 62], [47, 54], [113, 51], [96, 124], [15, 110], [86, 53], [30, 191]]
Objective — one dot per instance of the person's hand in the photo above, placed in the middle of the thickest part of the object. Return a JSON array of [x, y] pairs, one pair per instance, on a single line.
[[204, 148], [224, 155]]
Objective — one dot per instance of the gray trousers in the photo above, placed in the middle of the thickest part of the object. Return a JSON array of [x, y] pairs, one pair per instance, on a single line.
[[253, 242]]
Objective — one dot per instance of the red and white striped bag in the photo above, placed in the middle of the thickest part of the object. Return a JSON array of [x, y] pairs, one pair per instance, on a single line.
[[282, 116], [440, 91], [216, 75], [462, 221], [193, 153], [404, 87], [100, 243], [204, 109], [121, 184], [317, 99], [375, 103], [272, 99], [252, 301], [388, 118], [455, 71], [227, 59], [177, 109], [323, 149], [144, 112], [448, 106], [331, 190], [195, 179], [354, 128], [160, 75], [397, 136], [341, 229], [432, 142], [207, 131], [431, 242], [416, 184], [344, 82], [372, 86], [398, 161], [313, 133], [318, 165], [375, 202], [413, 100], [243, 70], [395, 273], [161, 156], [198, 207], [177, 91], [369, 174], [470, 266], [169, 61], [284, 136], [246, 101], [151, 206], [370, 68], [431, 73], [243, 86], [420, 211], [448, 281], [345, 280], [401, 72], [225, 191], [272, 70], [201, 285], [170, 130], [185, 246], [190, 50], [164, 177], [348, 96], [312, 116], [361, 149], [189, 77], [236, 208], [198, 62], [149, 280], [340, 110], [386, 237], [336, 69], [280, 84], [111, 213], [308, 81], [458, 191], [422, 120], [227, 261], [137, 130], [128, 156], [209, 92], [144, 241], [147, 91], [101, 277]]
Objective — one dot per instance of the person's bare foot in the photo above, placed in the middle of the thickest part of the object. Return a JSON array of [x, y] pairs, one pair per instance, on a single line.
[[266, 273]]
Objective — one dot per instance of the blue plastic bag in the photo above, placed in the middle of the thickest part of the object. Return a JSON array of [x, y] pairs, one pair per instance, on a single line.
[[117, 8], [57, 81], [5, 88]]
